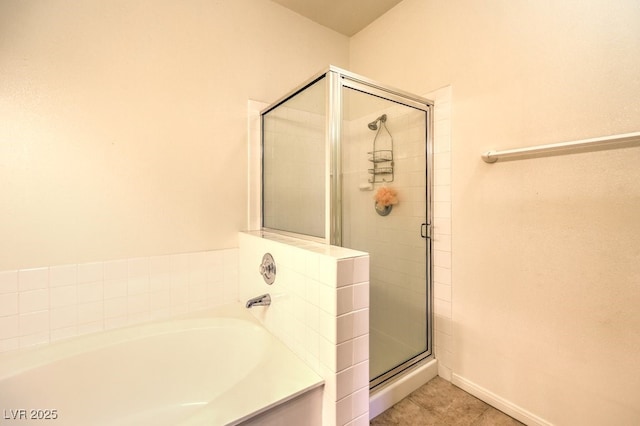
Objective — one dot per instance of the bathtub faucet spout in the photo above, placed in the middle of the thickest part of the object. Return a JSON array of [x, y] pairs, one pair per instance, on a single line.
[[264, 300]]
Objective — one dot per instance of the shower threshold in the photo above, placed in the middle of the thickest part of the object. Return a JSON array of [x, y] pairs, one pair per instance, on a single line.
[[393, 390]]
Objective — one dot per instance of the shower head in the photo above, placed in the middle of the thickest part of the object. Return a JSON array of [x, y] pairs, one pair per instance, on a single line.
[[374, 124]]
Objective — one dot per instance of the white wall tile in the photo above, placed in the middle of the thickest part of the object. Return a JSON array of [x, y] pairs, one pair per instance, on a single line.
[[442, 179], [328, 271], [345, 328], [34, 339], [444, 325], [138, 267], [9, 327], [90, 292], [345, 299], [34, 300], [138, 317], [179, 263], [91, 312], [116, 322], [312, 317], [138, 284], [116, 307], [360, 322], [115, 288], [345, 272], [312, 291], [344, 384], [361, 269], [8, 282], [63, 296], [443, 340], [360, 402], [9, 344], [159, 281], [64, 275], [442, 308], [312, 266], [179, 295], [160, 300], [442, 292], [138, 303], [65, 316], [442, 258], [327, 299], [34, 322], [442, 209], [63, 333], [344, 410], [361, 349], [8, 304], [344, 355], [159, 266], [90, 272], [32, 279], [442, 226], [360, 376], [116, 270], [361, 295], [442, 275]]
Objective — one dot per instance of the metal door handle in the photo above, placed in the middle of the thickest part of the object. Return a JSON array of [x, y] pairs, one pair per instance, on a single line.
[[425, 230]]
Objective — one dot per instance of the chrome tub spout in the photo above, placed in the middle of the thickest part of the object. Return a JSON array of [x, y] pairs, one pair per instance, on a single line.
[[264, 300]]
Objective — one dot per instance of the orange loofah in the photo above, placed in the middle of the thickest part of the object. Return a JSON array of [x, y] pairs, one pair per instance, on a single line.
[[386, 196]]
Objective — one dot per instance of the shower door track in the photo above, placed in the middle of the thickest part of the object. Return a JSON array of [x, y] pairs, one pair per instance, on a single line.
[[399, 370]]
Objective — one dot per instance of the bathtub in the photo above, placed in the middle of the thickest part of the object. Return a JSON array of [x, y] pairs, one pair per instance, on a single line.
[[219, 367]]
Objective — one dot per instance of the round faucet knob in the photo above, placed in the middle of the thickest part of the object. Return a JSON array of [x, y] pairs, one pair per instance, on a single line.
[[268, 269]]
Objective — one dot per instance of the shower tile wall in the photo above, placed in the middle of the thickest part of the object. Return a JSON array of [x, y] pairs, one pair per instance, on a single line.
[[442, 284], [43, 305], [320, 310]]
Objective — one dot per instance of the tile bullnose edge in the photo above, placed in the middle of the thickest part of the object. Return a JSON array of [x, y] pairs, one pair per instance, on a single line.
[[336, 252]]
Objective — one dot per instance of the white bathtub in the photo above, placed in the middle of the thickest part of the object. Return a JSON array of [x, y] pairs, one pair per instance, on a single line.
[[216, 368]]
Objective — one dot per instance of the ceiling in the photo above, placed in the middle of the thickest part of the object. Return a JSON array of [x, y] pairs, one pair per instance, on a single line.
[[344, 16]]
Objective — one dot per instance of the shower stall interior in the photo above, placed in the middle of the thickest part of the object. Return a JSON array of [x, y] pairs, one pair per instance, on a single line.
[[346, 161]]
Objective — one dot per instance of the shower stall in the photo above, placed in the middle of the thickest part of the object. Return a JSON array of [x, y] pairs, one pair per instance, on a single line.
[[347, 161]]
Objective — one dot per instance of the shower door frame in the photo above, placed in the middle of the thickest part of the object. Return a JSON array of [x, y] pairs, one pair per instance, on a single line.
[[337, 79]]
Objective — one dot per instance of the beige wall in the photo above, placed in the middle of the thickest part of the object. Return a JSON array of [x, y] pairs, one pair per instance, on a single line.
[[546, 252], [123, 123]]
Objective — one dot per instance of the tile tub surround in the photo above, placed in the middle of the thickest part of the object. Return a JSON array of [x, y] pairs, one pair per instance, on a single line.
[[320, 310], [43, 305]]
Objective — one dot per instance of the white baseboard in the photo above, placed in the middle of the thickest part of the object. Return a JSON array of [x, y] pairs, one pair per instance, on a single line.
[[498, 402]]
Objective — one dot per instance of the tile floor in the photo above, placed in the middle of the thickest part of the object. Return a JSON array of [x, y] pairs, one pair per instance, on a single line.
[[439, 403]]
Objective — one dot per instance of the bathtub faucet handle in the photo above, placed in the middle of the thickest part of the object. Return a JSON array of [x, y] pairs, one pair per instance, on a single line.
[[267, 268], [264, 300]]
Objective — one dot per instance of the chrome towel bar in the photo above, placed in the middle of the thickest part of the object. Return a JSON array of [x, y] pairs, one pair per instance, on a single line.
[[605, 142]]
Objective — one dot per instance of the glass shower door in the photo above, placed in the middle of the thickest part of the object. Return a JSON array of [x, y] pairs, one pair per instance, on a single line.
[[384, 212]]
